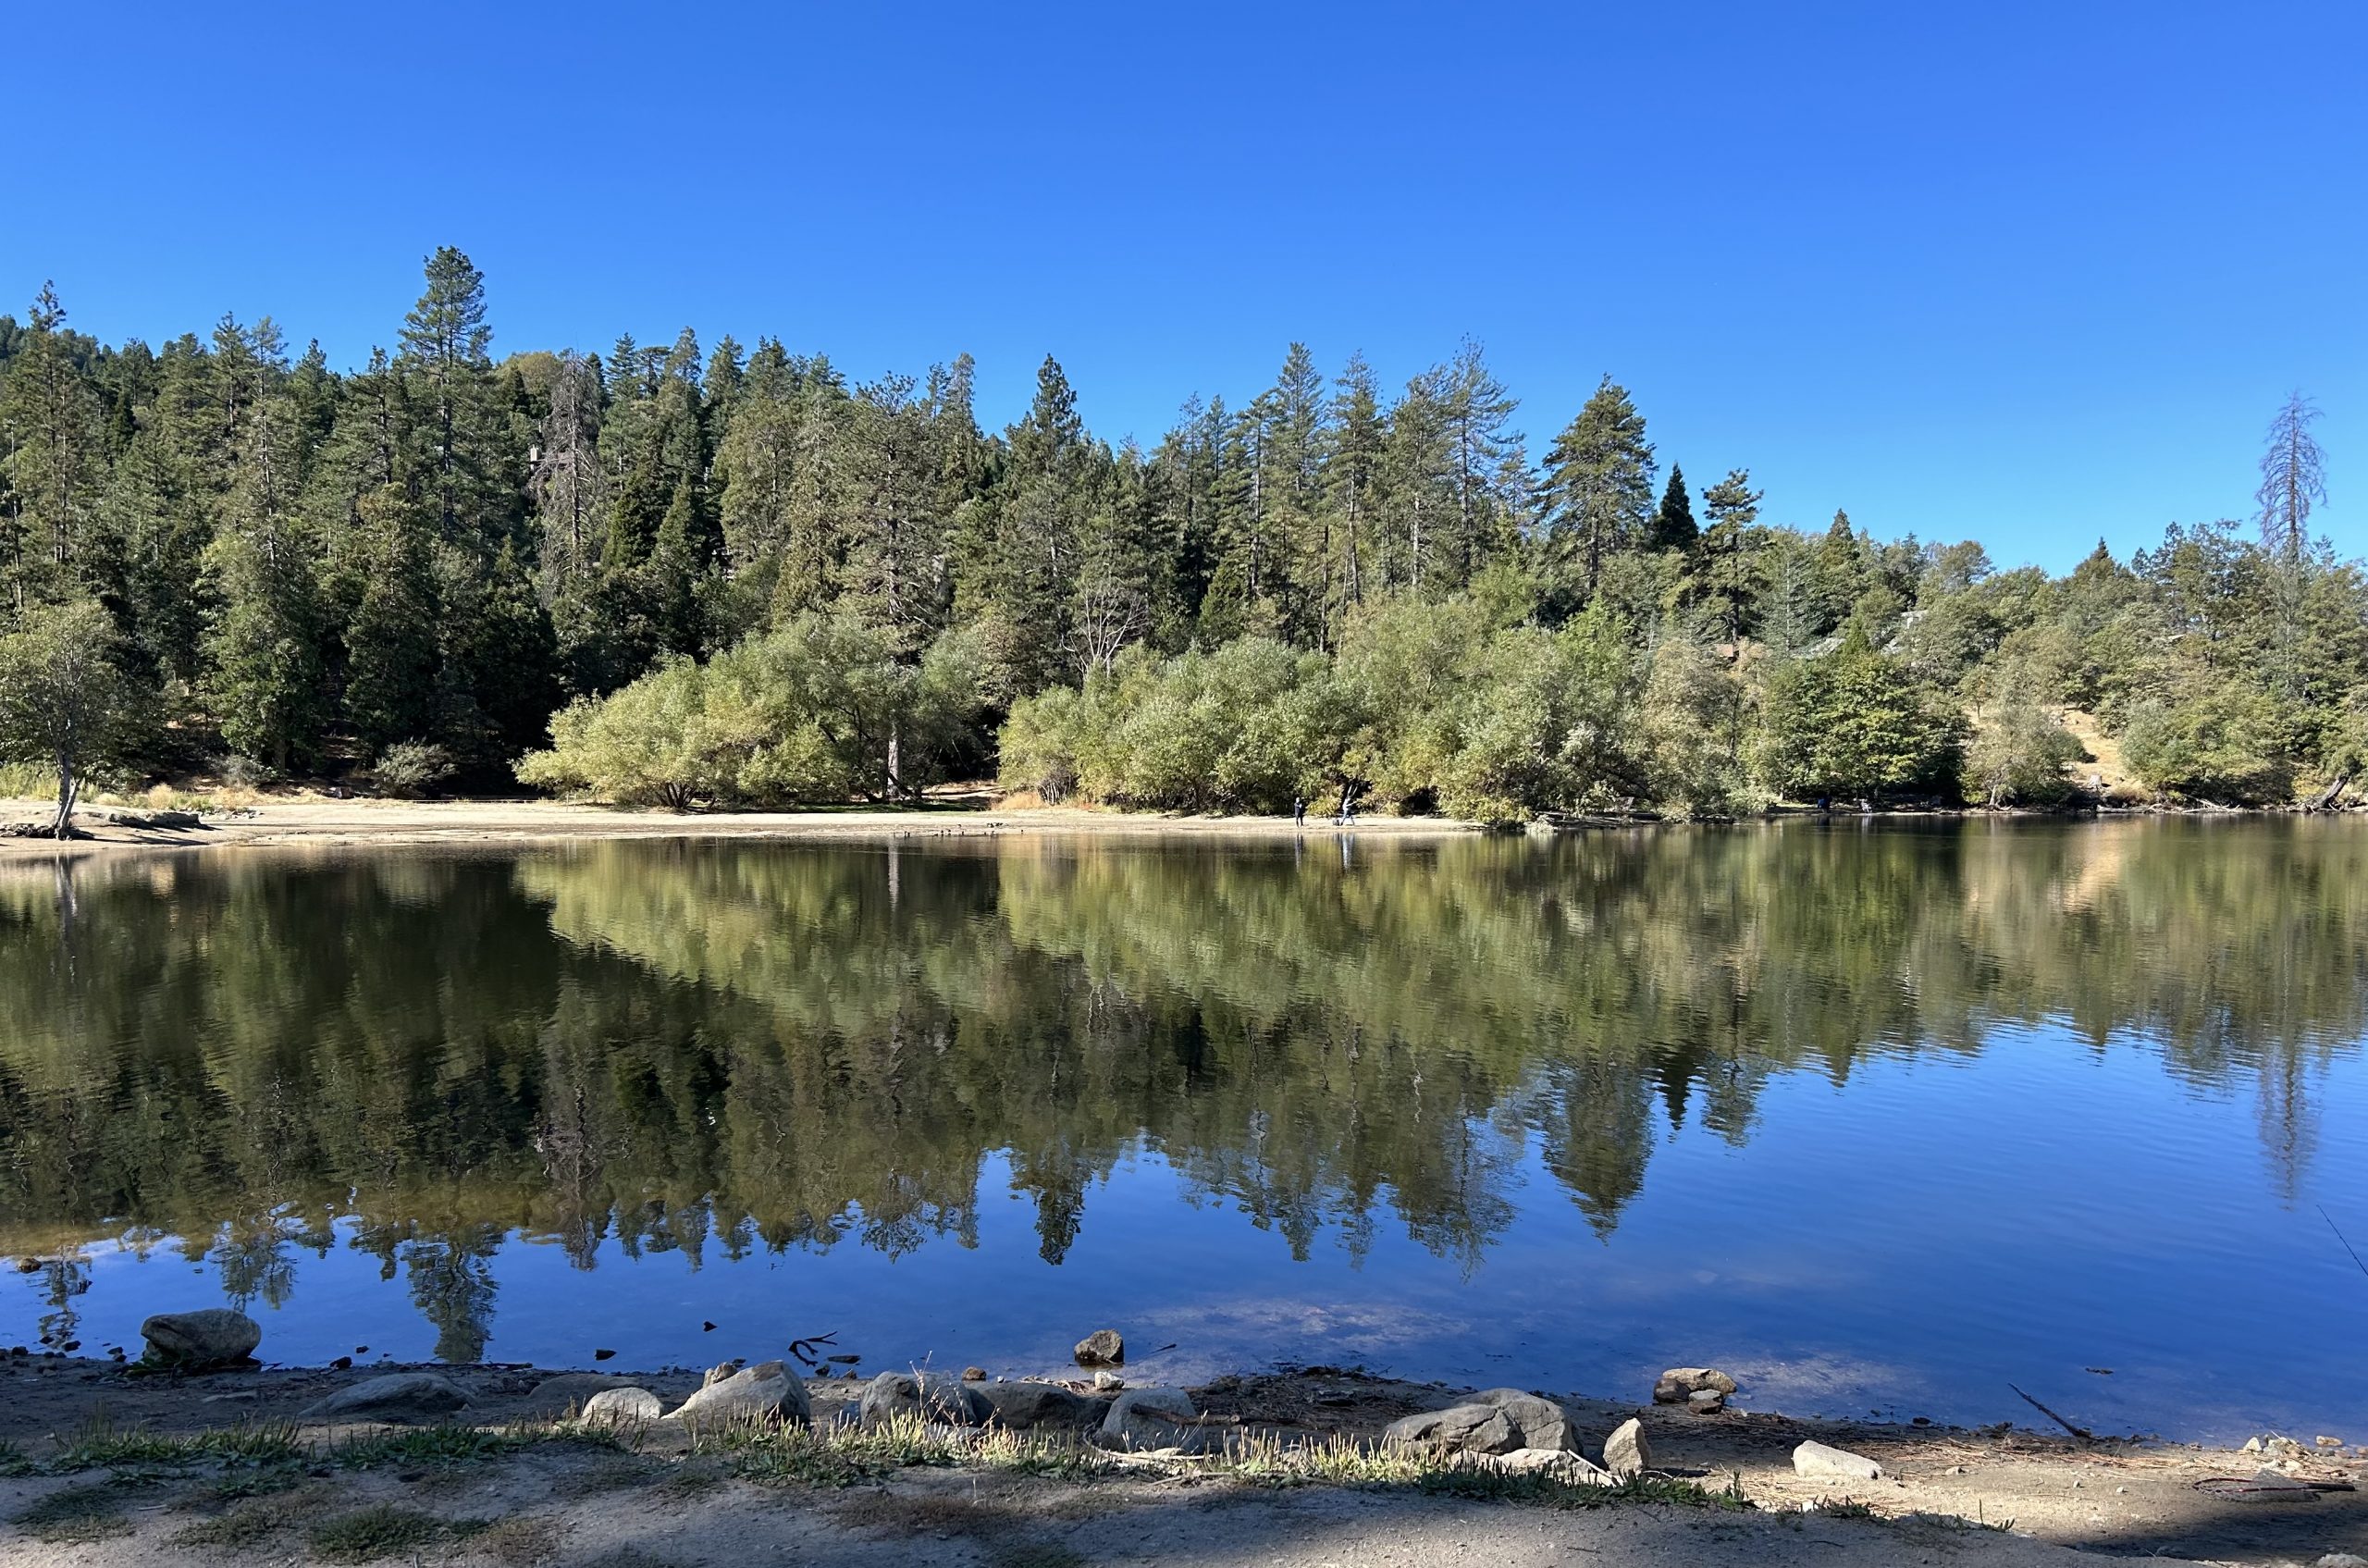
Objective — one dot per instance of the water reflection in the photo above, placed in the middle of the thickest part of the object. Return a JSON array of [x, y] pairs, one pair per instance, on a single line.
[[719, 1051]]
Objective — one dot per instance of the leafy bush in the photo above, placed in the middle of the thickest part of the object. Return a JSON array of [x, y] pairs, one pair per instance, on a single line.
[[409, 769]]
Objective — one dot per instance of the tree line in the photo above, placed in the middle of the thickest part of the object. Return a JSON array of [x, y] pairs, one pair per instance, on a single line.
[[684, 574]]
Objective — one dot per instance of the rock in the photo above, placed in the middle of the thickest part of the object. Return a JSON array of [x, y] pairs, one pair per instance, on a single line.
[[1539, 1422], [2341, 1559], [2252, 1445], [1142, 1419], [1039, 1404], [1558, 1463], [719, 1371], [974, 1374], [1108, 1382], [766, 1391], [193, 1342], [924, 1396], [1820, 1462], [1102, 1347], [1682, 1383], [245, 1396], [2271, 1486], [1706, 1401], [614, 1406], [398, 1396], [1461, 1429], [2326, 1443], [1625, 1452]]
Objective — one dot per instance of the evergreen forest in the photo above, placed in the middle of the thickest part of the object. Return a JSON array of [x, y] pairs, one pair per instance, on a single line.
[[688, 575]]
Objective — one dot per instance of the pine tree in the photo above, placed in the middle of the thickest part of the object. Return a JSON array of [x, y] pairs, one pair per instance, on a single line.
[[1351, 476], [264, 643], [1598, 489], [53, 436], [2293, 479], [1673, 526], [390, 679], [443, 352]]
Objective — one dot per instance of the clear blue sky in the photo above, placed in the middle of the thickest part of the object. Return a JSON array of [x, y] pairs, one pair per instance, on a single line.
[[2030, 272]]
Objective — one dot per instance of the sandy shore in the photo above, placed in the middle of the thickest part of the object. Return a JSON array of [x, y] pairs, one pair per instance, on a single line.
[[354, 822], [653, 1502]]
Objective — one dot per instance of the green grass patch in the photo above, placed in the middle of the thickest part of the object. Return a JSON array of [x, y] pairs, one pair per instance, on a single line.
[[243, 1526], [845, 1456], [76, 1516], [97, 1444], [367, 1534], [457, 1444]]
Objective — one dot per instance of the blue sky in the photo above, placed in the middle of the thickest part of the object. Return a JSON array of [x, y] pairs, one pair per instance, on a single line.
[[2032, 274]]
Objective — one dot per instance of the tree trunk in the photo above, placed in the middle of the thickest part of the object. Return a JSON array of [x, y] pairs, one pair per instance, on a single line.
[[68, 786]]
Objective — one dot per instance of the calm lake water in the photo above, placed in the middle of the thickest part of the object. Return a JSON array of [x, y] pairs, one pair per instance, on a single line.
[[1880, 1118]]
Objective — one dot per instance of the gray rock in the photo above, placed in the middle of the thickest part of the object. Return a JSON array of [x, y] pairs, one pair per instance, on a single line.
[[1682, 1383], [398, 1396], [721, 1370], [1539, 1422], [1706, 1401], [1463, 1429], [1820, 1462], [766, 1391], [1625, 1452], [615, 1406], [926, 1397], [1108, 1382], [1039, 1404], [1558, 1463], [2274, 1486], [193, 1341], [1102, 1347], [1142, 1419]]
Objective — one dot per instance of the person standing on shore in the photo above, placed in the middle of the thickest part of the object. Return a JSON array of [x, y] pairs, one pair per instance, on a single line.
[[1299, 810]]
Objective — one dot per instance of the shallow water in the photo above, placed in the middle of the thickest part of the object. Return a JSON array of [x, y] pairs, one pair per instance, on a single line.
[[1878, 1118]]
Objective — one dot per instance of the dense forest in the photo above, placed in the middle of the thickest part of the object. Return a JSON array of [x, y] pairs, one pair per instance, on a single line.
[[682, 576]]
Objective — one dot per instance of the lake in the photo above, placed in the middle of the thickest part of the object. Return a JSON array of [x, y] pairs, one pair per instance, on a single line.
[[1880, 1118]]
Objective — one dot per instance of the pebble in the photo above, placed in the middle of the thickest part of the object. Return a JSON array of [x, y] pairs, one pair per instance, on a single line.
[[974, 1374], [1108, 1383]]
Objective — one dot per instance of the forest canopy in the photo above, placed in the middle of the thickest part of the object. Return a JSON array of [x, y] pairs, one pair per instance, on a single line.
[[689, 573]]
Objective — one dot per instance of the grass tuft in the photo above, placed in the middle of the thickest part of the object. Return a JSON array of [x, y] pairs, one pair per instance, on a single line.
[[368, 1534], [97, 1444]]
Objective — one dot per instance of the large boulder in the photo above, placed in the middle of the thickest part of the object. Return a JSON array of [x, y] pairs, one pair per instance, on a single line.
[[1102, 1347], [398, 1396], [1625, 1452], [768, 1391], [1500, 1421], [615, 1407], [1680, 1384], [1818, 1462], [197, 1342], [928, 1397], [1463, 1429], [1144, 1419], [1039, 1404]]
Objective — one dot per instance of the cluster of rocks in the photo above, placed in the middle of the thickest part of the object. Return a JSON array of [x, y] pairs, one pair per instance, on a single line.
[[1702, 1389], [1525, 1433]]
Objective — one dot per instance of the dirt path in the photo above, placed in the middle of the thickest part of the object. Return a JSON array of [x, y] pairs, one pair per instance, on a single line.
[[338, 824], [1942, 1499]]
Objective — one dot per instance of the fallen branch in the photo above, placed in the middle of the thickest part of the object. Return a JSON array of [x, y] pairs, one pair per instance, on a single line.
[[804, 1350], [2080, 1432]]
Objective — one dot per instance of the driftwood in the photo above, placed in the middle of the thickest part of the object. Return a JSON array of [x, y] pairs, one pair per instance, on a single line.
[[2325, 800], [2080, 1432]]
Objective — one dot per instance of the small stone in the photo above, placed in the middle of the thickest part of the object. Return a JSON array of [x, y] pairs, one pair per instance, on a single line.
[[1108, 1382], [719, 1371], [2270, 1486], [1682, 1383], [766, 1391], [2341, 1559], [603, 1356], [2325, 1441], [974, 1374], [705, 1326], [622, 1406], [245, 1396], [1819, 1461], [848, 1360], [1102, 1347], [194, 1341], [1706, 1401], [1625, 1452]]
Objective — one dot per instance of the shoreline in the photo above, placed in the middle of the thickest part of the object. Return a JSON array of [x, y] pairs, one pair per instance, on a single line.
[[1729, 1474], [284, 824]]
